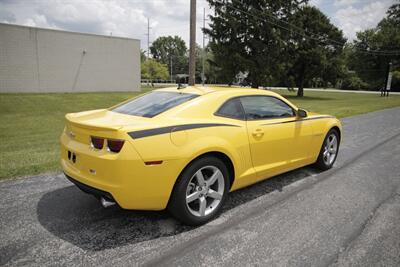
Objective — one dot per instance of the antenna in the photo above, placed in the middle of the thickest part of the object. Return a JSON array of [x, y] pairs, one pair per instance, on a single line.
[[203, 78], [148, 38]]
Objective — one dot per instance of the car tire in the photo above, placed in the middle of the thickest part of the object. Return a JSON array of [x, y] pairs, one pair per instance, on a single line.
[[329, 150], [200, 191]]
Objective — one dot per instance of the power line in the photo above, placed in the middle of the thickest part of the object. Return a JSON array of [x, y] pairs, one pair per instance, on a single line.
[[299, 32], [332, 3], [341, 44]]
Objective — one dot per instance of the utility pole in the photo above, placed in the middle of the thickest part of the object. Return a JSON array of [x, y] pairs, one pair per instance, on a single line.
[[203, 78], [192, 52], [170, 65], [148, 38], [388, 80]]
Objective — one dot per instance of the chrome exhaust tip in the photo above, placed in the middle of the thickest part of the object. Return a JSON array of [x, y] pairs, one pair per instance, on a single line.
[[106, 203]]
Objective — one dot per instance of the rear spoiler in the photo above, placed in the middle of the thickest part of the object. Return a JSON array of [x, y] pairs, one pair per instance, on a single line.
[[72, 121]]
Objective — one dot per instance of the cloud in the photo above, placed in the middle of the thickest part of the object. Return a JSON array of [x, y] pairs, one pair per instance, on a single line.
[[128, 18], [354, 19], [7, 16], [125, 18], [315, 2], [340, 3]]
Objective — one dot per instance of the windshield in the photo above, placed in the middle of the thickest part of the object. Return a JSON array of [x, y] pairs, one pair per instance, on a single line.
[[154, 103]]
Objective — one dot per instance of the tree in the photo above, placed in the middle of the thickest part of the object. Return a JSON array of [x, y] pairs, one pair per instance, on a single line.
[[374, 48], [209, 72], [353, 82], [394, 13], [315, 47], [167, 50], [153, 70], [245, 37], [212, 70], [143, 57]]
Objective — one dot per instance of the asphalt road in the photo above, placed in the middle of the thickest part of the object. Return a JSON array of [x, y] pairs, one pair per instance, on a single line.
[[346, 216]]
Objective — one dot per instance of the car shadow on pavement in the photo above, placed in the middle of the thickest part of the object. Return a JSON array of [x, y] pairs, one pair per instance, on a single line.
[[79, 218]]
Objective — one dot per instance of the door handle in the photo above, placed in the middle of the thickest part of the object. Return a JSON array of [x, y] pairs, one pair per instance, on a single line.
[[258, 132]]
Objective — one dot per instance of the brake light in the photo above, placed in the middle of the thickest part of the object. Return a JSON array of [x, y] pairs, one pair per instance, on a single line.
[[115, 145], [97, 142]]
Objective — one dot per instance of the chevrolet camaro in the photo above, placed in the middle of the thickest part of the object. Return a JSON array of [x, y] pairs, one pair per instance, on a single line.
[[184, 149]]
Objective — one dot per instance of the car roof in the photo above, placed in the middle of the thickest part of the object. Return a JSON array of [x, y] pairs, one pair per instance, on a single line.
[[212, 97], [202, 90]]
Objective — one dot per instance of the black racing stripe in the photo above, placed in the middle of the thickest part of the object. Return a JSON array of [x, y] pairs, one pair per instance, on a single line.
[[282, 122], [305, 119], [175, 128], [320, 117]]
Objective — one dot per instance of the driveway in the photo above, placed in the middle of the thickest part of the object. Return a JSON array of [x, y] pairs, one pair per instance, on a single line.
[[346, 216]]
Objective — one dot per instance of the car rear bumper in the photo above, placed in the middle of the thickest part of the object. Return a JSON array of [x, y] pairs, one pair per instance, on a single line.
[[90, 190], [123, 177]]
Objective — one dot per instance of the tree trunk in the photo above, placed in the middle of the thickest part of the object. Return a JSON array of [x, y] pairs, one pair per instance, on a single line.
[[300, 85], [300, 91], [254, 85]]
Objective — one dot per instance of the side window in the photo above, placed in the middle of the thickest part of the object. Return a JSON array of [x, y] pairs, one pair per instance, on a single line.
[[231, 109], [265, 107]]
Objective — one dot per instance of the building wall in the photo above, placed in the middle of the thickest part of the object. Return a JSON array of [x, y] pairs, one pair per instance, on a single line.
[[42, 60]]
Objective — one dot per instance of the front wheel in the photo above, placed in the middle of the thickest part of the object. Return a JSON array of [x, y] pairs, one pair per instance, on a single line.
[[329, 150], [200, 191]]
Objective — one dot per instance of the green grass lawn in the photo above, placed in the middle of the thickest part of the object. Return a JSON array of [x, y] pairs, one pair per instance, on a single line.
[[341, 104], [30, 124]]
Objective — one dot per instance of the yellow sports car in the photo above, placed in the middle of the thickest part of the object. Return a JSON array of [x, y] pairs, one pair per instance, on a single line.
[[185, 149]]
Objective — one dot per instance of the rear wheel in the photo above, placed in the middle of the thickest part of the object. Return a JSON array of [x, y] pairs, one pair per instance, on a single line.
[[200, 191], [330, 148]]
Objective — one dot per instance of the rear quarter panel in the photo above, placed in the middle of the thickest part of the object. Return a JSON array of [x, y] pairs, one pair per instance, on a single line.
[[231, 140]]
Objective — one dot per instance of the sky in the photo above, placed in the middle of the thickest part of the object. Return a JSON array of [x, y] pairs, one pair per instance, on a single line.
[[129, 18]]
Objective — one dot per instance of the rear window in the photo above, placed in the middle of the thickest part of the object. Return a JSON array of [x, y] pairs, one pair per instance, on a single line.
[[154, 103]]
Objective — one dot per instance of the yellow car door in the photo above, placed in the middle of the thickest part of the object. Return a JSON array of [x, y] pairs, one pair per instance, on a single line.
[[279, 141]]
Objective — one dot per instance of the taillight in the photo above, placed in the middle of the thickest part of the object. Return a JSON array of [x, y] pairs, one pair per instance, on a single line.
[[97, 142], [115, 145]]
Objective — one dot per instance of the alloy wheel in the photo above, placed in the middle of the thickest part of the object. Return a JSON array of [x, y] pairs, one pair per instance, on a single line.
[[330, 149], [205, 191]]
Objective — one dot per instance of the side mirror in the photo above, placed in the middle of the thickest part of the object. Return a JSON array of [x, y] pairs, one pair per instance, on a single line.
[[301, 113]]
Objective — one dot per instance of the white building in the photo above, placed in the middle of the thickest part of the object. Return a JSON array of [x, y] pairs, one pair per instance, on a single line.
[[43, 60]]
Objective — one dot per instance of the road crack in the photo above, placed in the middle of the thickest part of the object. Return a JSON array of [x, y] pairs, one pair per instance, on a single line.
[[351, 241]]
